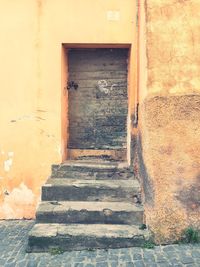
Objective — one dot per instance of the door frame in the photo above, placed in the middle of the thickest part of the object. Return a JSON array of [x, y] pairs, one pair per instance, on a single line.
[[132, 93]]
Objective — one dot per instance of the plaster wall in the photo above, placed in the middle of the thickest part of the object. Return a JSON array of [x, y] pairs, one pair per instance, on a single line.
[[32, 80], [169, 117]]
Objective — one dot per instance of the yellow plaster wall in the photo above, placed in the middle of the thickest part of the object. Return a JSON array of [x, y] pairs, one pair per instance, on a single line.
[[173, 46], [31, 35], [169, 113]]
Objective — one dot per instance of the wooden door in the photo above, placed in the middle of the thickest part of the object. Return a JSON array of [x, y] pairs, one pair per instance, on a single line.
[[98, 105]]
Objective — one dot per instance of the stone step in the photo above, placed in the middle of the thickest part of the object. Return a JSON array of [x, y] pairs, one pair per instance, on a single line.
[[61, 189], [98, 175], [89, 212], [92, 169], [98, 164], [44, 237]]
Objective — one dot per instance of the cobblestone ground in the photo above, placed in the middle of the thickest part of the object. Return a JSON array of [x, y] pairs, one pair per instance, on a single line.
[[13, 240]]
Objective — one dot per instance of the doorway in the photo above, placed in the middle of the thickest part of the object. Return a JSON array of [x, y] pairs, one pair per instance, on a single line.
[[97, 102]]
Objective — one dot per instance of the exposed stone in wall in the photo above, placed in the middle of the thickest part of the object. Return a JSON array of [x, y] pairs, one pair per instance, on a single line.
[[171, 153]]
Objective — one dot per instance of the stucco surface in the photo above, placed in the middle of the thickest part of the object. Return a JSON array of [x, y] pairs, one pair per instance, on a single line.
[[171, 154], [170, 117], [173, 43], [32, 81]]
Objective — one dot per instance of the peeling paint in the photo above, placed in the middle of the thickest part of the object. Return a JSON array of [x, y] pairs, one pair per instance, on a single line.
[[17, 202], [10, 154], [7, 164], [59, 149]]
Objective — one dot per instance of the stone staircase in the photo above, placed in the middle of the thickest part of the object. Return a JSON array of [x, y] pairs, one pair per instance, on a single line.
[[89, 204]]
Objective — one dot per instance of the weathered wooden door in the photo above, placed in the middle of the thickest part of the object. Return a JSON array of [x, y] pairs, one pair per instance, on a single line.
[[98, 107]]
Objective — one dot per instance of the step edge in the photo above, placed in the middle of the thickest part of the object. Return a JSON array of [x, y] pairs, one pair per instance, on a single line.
[[57, 228], [72, 206], [92, 182]]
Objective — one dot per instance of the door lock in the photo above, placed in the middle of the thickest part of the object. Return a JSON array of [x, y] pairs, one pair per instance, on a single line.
[[72, 85]]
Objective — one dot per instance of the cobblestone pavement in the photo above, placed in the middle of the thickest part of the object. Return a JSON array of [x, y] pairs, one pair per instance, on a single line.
[[13, 240]]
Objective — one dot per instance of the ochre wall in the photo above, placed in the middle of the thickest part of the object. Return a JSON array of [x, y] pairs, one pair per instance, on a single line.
[[32, 65], [170, 117]]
